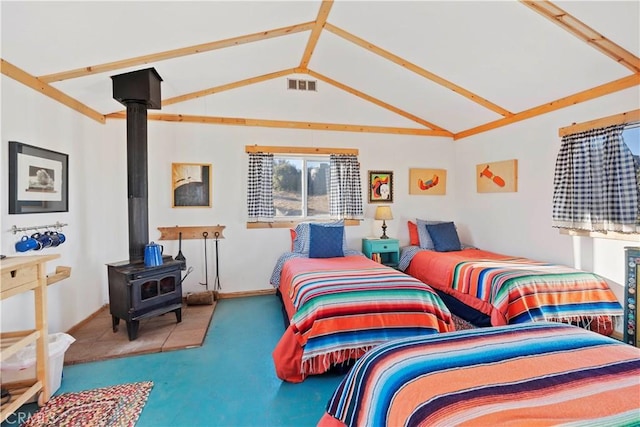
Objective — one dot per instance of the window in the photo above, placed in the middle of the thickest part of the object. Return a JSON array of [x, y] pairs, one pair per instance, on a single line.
[[631, 137], [301, 186], [291, 184], [597, 180]]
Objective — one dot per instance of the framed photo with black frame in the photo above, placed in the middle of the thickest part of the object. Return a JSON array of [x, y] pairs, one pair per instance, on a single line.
[[380, 185], [38, 180]]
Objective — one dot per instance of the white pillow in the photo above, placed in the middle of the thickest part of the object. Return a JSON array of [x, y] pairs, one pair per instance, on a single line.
[[423, 234]]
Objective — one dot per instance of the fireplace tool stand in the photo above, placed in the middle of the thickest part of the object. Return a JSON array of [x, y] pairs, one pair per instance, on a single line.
[[207, 297], [216, 283]]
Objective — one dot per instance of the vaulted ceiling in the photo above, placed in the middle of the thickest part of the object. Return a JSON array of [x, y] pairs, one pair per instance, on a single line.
[[433, 68]]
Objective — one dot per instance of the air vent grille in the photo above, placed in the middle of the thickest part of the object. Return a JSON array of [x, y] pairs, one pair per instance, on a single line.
[[298, 84]]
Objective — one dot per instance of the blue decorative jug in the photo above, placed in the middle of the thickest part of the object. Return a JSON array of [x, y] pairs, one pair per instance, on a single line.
[[153, 255]]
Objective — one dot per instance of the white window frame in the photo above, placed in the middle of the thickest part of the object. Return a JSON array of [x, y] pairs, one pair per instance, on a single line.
[[304, 185]]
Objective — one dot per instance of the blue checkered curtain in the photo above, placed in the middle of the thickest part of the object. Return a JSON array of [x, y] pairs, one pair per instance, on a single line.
[[596, 185], [260, 188], [345, 197]]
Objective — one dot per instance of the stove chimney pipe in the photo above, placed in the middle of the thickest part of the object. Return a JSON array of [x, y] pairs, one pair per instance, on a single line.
[[138, 91]]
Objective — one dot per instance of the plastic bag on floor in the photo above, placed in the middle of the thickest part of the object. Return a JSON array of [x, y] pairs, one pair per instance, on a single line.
[[26, 357]]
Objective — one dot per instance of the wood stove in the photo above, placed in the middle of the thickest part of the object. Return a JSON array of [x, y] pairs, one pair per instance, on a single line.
[[137, 292]]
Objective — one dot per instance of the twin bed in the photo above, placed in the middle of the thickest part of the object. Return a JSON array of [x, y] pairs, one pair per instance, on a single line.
[[347, 307], [541, 373], [490, 289], [339, 308]]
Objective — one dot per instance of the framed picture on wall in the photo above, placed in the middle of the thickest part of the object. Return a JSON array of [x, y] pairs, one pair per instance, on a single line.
[[380, 185], [38, 180], [428, 182], [191, 185], [497, 177]]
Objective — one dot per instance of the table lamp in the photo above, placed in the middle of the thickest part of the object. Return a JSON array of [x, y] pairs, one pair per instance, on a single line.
[[383, 213]]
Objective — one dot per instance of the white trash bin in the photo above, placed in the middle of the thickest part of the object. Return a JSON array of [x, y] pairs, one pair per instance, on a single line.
[[22, 365]]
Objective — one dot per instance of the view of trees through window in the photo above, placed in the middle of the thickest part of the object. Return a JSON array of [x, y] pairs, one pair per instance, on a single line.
[[631, 136], [298, 194]]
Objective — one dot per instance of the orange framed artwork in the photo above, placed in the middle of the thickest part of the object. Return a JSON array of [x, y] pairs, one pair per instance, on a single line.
[[380, 187], [497, 177], [428, 182]]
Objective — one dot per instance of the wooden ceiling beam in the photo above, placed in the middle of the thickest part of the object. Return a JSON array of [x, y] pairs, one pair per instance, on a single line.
[[321, 20], [414, 68], [224, 87], [577, 98], [228, 86], [376, 101], [176, 53], [236, 121], [585, 33], [34, 83]]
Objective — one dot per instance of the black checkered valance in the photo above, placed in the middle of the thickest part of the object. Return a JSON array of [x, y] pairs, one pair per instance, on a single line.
[[345, 200], [260, 187], [597, 183]]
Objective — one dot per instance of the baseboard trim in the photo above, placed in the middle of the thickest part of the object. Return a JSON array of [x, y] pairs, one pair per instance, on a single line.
[[228, 295], [86, 320]]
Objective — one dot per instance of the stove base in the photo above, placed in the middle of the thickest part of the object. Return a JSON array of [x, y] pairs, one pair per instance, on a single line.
[[134, 324]]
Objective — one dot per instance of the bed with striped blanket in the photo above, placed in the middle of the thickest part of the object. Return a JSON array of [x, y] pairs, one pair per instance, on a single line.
[[341, 307], [515, 290], [542, 373]]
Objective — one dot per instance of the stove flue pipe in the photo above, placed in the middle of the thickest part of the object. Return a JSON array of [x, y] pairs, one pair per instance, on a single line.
[[138, 91], [137, 179]]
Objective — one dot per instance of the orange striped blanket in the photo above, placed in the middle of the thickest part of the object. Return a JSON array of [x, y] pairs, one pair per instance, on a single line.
[[541, 373], [341, 307], [516, 290]]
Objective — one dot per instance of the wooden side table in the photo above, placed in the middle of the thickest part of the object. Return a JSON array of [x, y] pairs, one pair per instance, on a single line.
[[387, 249], [22, 274]]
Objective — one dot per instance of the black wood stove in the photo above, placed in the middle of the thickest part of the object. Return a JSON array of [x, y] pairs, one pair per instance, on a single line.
[[135, 290]]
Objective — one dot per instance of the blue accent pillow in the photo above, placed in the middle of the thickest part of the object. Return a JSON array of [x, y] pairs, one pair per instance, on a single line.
[[445, 237], [423, 235], [301, 242], [325, 242]]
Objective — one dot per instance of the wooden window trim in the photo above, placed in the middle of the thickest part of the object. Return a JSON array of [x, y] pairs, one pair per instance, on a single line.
[[632, 237], [293, 224], [299, 150], [616, 119]]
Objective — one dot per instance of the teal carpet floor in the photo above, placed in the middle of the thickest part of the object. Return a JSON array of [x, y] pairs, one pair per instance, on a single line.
[[229, 381]]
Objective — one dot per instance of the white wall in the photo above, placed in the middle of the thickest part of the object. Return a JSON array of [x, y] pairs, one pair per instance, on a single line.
[[516, 223], [97, 217], [34, 119], [520, 223], [247, 256]]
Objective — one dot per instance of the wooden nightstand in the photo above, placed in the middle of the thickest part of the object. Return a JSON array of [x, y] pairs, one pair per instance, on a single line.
[[388, 249]]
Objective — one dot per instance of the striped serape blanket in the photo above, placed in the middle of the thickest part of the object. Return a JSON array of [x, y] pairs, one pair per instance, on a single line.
[[345, 306], [521, 290], [542, 373], [512, 289]]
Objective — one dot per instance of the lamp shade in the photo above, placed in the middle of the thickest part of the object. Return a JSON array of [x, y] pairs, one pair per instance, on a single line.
[[383, 212]]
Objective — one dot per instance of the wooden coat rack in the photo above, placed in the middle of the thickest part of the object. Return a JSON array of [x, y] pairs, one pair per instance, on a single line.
[[191, 232]]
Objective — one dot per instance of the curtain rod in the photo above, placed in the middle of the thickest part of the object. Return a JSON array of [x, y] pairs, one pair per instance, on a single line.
[[622, 118]]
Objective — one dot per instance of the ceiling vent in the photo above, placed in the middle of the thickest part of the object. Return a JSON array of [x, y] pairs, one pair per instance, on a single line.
[[297, 84]]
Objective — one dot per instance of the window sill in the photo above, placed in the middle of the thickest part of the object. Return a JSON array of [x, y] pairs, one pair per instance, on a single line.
[[632, 237], [292, 224]]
